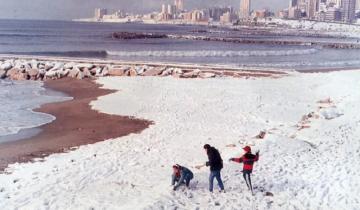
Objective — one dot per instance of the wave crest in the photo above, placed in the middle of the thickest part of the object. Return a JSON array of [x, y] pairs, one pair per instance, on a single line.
[[212, 53]]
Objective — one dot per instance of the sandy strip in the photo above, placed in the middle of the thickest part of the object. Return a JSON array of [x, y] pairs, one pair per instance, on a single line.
[[76, 124]]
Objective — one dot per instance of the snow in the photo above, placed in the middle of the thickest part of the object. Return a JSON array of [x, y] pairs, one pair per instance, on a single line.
[[310, 168], [336, 29]]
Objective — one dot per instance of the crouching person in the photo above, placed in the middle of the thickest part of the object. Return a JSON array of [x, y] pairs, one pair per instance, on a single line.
[[181, 175]]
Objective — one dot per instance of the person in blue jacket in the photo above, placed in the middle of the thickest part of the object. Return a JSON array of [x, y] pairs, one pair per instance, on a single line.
[[181, 175]]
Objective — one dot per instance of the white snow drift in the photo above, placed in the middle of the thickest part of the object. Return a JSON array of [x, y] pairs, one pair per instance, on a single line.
[[312, 166]]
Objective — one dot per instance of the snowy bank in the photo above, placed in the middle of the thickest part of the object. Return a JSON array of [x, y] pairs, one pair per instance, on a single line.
[[310, 167]]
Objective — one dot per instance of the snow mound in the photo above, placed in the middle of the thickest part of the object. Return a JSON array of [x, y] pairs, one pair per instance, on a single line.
[[331, 113]]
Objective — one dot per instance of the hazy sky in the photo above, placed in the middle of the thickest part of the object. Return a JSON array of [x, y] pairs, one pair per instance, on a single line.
[[69, 9]]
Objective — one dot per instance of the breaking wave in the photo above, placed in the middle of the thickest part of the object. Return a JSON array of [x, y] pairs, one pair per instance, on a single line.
[[344, 63], [212, 53], [85, 53]]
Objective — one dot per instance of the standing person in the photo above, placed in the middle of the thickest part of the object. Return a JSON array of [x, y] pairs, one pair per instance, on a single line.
[[181, 175], [248, 159], [216, 164]]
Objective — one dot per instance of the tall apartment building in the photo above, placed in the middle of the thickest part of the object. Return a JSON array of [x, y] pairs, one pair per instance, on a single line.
[[312, 8], [163, 9], [348, 10], [292, 3], [179, 5], [216, 12], [99, 13], [333, 14], [245, 6], [171, 10]]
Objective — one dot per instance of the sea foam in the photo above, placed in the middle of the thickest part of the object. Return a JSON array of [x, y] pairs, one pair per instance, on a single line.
[[213, 53], [18, 99]]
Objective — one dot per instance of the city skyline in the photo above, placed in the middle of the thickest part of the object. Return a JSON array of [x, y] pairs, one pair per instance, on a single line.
[[69, 9]]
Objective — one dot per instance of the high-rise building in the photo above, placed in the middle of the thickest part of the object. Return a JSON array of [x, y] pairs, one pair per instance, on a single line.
[[227, 18], [179, 5], [338, 3], [294, 13], [312, 8], [333, 14], [292, 3], [348, 10], [99, 13], [358, 5], [163, 9], [216, 12], [171, 9], [245, 6]]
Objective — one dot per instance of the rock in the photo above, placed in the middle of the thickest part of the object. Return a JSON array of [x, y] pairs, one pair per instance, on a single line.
[[57, 66], [85, 65], [141, 69], [190, 74], [117, 72], [19, 76], [167, 72], [6, 66], [94, 71], [51, 74], [136, 35], [69, 65], [34, 64], [12, 72], [2, 74], [175, 75], [41, 66], [261, 135], [178, 71], [66, 72], [98, 72], [48, 66], [105, 71], [206, 75], [269, 194], [73, 72], [153, 72], [42, 72], [62, 73], [80, 75], [33, 73], [132, 73], [19, 65], [86, 73], [331, 113]]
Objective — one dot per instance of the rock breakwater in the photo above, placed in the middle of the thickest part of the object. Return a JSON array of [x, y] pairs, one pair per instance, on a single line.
[[35, 69]]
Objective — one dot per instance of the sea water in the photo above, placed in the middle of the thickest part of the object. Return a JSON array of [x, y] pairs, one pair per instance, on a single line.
[[94, 40], [17, 101]]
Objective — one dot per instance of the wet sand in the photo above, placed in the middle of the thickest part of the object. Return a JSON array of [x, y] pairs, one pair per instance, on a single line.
[[76, 124]]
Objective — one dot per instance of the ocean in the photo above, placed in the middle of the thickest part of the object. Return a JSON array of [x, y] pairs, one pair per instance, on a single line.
[[17, 100], [93, 40]]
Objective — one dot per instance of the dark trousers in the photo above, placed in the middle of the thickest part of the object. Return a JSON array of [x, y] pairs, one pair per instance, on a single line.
[[247, 178], [217, 175]]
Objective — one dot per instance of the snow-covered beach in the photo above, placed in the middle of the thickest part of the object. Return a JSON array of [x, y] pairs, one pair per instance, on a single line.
[[309, 158]]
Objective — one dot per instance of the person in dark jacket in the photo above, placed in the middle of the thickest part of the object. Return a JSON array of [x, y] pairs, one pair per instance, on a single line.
[[248, 159], [181, 175], [216, 164]]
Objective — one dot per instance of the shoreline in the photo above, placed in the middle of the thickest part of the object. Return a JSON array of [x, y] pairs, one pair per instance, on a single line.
[[74, 124]]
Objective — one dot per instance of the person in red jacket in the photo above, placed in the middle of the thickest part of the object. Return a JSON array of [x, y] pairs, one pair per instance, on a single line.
[[248, 159]]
